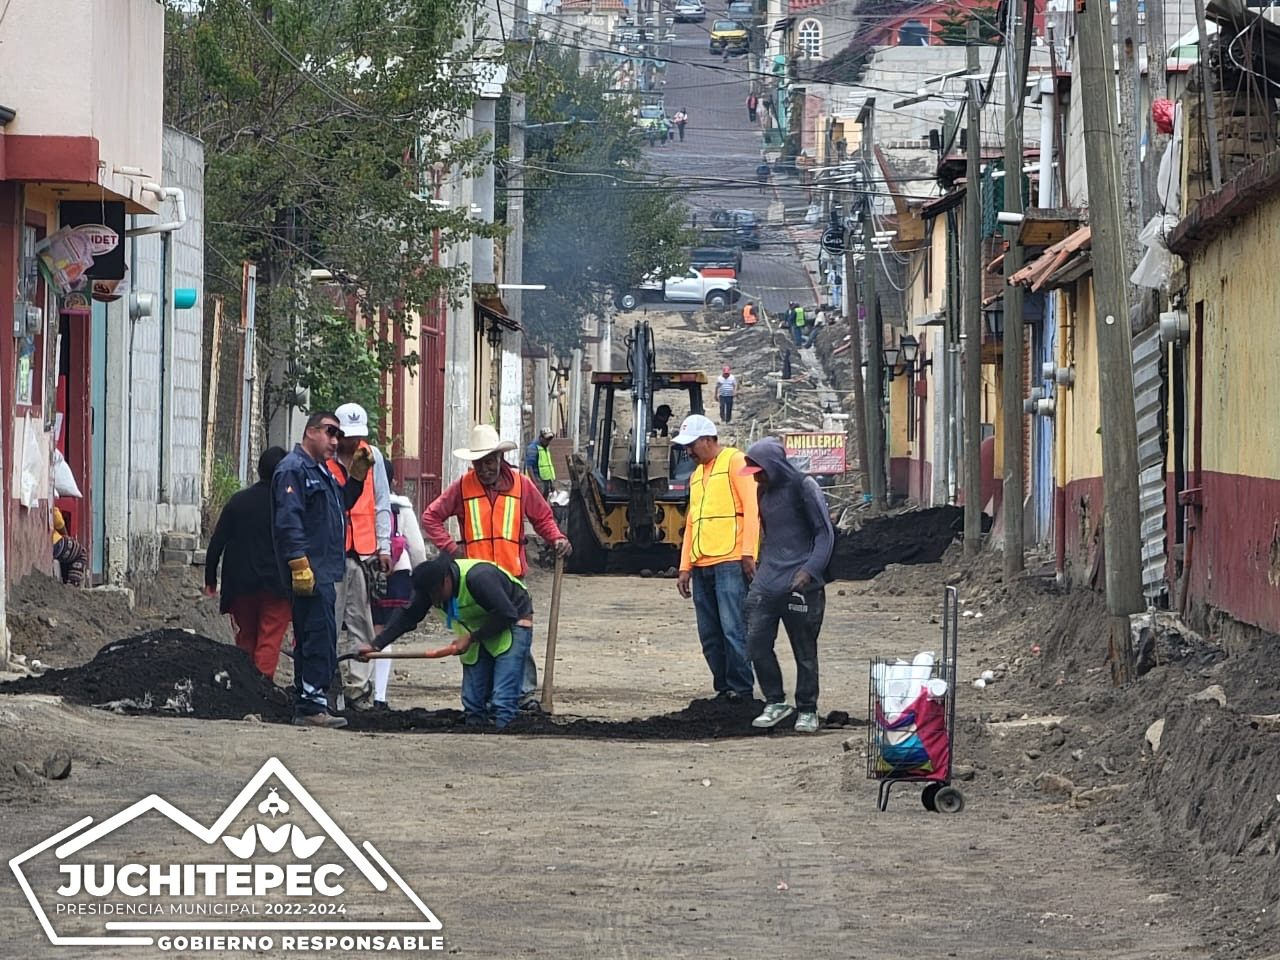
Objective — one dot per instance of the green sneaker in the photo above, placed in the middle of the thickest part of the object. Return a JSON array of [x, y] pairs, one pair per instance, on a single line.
[[774, 714], [807, 723]]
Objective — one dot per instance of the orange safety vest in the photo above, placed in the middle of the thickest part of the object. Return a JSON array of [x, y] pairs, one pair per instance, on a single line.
[[749, 317], [493, 529], [714, 510], [362, 534]]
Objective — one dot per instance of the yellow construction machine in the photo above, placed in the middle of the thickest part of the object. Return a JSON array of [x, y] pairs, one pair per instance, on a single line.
[[630, 485]]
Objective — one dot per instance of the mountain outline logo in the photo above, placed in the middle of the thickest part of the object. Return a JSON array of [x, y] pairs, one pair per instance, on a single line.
[[237, 869]]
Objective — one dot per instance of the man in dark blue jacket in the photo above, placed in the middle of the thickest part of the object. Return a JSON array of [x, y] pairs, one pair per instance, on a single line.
[[797, 542], [309, 526]]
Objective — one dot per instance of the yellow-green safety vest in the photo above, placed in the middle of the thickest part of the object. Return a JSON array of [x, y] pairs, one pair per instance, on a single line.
[[465, 616], [714, 510], [546, 469]]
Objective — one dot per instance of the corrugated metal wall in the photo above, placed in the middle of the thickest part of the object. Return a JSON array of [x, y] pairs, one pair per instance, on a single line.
[[1148, 389]]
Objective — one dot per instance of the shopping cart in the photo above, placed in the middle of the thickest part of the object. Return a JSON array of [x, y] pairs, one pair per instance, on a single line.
[[911, 719]]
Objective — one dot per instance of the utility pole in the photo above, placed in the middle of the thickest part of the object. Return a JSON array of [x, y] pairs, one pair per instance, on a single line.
[[1122, 539], [859, 420], [513, 262], [1011, 399], [972, 273], [1129, 79], [874, 388]]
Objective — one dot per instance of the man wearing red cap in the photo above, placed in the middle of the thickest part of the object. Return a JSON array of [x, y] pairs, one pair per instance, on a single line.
[[726, 388]]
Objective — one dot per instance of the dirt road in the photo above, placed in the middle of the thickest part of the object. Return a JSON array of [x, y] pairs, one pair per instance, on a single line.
[[766, 846]]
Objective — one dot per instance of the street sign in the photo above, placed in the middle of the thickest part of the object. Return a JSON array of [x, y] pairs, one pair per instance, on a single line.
[[816, 453], [833, 240]]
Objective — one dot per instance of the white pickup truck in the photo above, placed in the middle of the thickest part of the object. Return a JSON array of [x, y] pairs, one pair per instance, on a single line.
[[717, 292]]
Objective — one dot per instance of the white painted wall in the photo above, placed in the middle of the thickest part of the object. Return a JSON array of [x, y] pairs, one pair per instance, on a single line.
[[155, 371], [71, 68]]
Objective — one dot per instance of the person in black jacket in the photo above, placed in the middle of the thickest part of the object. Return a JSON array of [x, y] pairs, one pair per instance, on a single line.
[[252, 591]]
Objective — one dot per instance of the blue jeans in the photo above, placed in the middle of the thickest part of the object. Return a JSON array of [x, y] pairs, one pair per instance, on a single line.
[[491, 685], [798, 335], [719, 602], [315, 649]]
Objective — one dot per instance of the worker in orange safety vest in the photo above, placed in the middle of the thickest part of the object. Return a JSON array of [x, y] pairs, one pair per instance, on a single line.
[[491, 503], [368, 551]]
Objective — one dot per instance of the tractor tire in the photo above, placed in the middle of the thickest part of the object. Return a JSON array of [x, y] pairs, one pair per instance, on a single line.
[[588, 556], [629, 300]]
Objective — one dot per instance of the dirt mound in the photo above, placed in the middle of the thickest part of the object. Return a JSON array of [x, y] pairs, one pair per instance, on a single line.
[[171, 672], [914, 537], [701, 720], [64, 626]]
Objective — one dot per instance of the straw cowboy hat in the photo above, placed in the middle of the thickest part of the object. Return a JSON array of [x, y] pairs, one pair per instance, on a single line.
[[484, 441]]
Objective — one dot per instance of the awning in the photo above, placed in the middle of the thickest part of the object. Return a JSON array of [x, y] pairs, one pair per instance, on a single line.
[[1063, 263]]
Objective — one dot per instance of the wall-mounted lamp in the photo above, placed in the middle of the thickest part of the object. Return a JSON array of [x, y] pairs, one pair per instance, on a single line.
[[994, 317]]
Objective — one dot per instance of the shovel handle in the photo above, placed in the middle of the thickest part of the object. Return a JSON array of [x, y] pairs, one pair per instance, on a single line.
[[438, 654]]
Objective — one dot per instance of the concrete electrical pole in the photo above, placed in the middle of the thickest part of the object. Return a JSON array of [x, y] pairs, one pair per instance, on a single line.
[[874, 386], [1122, 538], [1011, 398], [859, 419], [972, 273]]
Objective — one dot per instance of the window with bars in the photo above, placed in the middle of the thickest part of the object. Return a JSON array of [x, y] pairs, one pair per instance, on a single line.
[[809, 39]]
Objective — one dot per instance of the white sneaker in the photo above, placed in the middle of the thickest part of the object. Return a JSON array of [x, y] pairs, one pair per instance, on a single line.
[[774, 714], [807, 723]]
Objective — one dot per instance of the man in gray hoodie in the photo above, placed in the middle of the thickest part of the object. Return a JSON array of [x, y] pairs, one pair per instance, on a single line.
[[789, 584]]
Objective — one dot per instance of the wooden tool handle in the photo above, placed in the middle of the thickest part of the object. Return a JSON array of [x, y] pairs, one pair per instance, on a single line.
[[553, 626]]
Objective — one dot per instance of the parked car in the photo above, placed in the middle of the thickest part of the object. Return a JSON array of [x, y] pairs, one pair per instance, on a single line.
[[743, 10], [716, 257], [739, 226], [730, 34], [690, 11], [692, 287]]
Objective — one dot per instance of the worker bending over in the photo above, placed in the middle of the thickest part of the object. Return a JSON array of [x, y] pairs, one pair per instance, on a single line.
[[492, 614]]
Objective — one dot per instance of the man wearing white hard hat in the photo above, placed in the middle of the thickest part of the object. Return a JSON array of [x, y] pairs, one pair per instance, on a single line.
[[718, 555], [491, 503], [368, 548]]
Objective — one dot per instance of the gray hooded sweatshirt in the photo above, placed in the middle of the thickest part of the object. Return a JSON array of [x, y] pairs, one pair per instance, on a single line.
[[793, 515]]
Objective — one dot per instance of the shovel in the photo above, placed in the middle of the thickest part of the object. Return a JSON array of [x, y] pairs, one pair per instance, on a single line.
[[451, 650]]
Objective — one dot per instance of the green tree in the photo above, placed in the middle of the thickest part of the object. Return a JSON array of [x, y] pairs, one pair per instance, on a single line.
[[954, 27], [596, 222], [322, 120]]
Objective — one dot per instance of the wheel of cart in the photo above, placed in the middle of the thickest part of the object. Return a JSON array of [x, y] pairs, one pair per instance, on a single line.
[[913, 740]]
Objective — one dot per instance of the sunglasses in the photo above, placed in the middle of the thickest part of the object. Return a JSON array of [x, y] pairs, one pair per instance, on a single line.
[[331, 430]]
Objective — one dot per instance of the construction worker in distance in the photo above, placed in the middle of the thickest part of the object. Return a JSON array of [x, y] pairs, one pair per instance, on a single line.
[[718, 555], [491, 503], [799, 323], [789, 583], [492, 614], [537, 462], [726, 390], [368, 550], [749, 316], [309, 528]]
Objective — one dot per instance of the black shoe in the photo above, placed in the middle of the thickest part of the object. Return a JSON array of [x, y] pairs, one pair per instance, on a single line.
[[531, 706], [729, 696]]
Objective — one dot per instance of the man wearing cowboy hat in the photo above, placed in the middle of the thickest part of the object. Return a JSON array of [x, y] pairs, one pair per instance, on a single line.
[[491, 503]]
